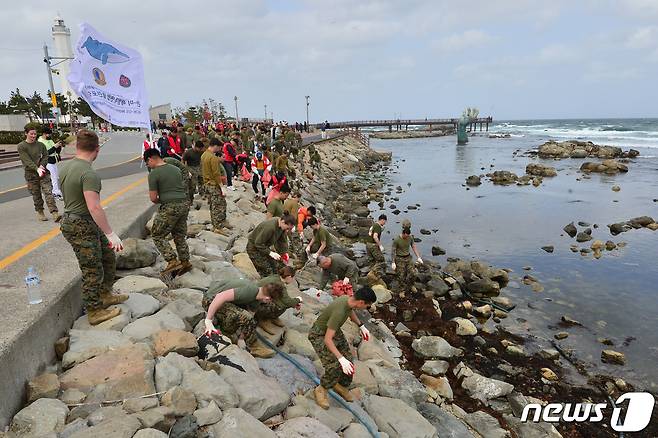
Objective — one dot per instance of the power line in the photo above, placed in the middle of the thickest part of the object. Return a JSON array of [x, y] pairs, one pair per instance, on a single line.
[[18, 50]]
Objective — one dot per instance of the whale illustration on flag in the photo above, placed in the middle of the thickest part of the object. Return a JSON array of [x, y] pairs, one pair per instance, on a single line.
[[104, 52]]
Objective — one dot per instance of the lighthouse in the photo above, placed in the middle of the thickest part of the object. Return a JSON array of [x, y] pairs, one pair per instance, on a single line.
[[63, 49]]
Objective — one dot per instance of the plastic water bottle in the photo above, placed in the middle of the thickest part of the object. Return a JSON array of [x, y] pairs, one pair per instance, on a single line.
[[32, 281]]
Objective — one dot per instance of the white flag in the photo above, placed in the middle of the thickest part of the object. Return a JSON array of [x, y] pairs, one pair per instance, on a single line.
[[110, 78]]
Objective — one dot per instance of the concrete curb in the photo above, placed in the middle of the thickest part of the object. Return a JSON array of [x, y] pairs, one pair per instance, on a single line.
[[33, 347]]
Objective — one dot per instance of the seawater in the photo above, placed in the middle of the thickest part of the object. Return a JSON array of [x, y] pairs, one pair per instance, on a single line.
[[615, 297]]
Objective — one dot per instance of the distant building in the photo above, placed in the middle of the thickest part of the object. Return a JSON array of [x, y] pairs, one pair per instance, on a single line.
[[63, 49], [13, 122], [161, 112]]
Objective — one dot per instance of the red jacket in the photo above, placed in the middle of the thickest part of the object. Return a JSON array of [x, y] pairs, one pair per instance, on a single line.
[[266, 165], [229, 152], [174, 146]]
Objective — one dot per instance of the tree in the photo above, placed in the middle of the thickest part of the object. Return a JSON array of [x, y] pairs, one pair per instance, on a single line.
[[82, 108], [471, 113]]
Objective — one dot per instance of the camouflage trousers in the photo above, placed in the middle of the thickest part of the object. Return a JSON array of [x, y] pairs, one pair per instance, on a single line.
[[95, 257], [217, 204], [237, 322], [172, 219], [376, 259], [333, 373], [37, 186], [271, 310], [297, 249], [404, 271], [196, 182], [264, 264]]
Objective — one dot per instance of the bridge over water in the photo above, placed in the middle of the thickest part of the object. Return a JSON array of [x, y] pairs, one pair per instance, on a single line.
[[399, 123]]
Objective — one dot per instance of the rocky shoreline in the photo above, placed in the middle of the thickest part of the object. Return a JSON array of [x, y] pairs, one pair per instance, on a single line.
[[439, 363], [416, 133]]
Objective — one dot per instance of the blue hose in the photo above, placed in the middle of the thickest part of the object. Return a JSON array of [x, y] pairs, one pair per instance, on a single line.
[[308, 374]]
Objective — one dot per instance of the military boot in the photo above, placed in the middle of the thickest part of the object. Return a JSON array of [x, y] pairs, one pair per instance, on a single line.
[[343, 392], [279, 322], [321, 397], [56, 216], [184, 267], [226, 225], [269, 327], [41, 216], [110, 299], [257, 349], [220, 231], [96, 316], [172, 265]]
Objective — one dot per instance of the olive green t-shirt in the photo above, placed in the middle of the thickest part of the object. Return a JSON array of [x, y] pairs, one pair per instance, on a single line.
[[168, 182], [275, 208], [271, 279], [334, 315], [245, 291], [375, 229], [76, 177], [322, 235], [402, 246]]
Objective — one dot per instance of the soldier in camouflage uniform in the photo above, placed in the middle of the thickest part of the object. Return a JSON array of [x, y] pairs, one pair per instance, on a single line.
[[214, 175], [331, 346], [374, 250], [268, 313], [230, 305], [34, 157], [192, 159], [402, 262], [269, 234], [86, 228], [166, 187]]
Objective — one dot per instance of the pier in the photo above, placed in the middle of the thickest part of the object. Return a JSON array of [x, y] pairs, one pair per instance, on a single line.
[[483, 122]]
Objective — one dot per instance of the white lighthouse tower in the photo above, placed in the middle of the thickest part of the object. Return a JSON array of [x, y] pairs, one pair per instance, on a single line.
[[63, 49]]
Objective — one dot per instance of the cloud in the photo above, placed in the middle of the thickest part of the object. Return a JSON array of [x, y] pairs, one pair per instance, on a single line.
[[460, 41], [643, 38]]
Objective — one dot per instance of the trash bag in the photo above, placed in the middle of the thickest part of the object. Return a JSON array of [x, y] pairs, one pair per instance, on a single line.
[[211, 346], [246, 175], [339, 289]]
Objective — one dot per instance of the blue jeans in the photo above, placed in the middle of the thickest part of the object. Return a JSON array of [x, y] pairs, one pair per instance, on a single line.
[[229, 173]]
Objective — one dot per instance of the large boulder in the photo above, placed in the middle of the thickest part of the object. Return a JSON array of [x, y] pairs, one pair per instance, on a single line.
[[480, 387], [146, 327], [189, 313], [434, 347], [399, 384], [192, 296], [446, 424], [43, 386], [85, 344], [297, 342], [540, 170], [238, 423], [142, 305], [304, 427], [42, 417], [242, 262], [136, 253], [139, 284], [398, 419], [123, 426], [291, 379], [196, 278], [178, 341]]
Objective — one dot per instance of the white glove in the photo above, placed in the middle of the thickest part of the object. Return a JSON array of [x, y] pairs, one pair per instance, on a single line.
[[210, 327], [275, 255], [393, 266], [346, 365], [346, 280], [115, 242], [299, 299], [41, 171], [381, 248], [365, 333], [315, 256], [308, 250], [420, 260]]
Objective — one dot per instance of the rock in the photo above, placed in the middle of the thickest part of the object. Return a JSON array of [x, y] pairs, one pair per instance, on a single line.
[[473, 181], [613, 357], [42, 417], [192, 296], [138, 284], [242, 262], [185, 427], [397, 419], [434, 347], [570, 229], [464, 327], [548, 248], [485, 425], [357, 430], [208, 415], [154, 417], [480, 387], [189, 313], [446, 424], [238, 423], [297, 342], [549, 374], [437, 251], [515, 350], [146, 327], [435, 367], [179, 341], [142, 305], [399, 384], [363, 378], [43, 386], [569, 320], [121, 427], [375, 350], [530, 429], [540, 170], [503, 177], [350, 232], [180, 401], [150, 433], [583, 237], [550, 353], [653, 226], [641, 221], [304, 427], [561, 335], [616, 188], [383, 295], [136, 253], [438, 286], [291, 379], [85, 344], [334, 418], [484, 311], [425, 231], [134, 405], [362, 211], [439, 384], [484, 286], [73, 396], [192, 279]]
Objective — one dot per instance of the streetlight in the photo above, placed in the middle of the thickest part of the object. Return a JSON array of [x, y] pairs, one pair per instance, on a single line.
[[307, 97], [265, 112], [235, 98]]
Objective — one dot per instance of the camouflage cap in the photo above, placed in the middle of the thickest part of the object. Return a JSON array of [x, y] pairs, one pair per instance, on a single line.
[[406, 223]]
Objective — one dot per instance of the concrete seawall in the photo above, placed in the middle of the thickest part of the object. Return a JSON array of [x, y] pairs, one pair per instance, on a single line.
[[29, 332]]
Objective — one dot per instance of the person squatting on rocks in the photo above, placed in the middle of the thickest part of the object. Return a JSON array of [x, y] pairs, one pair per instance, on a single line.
[[259, 164], [338, 267], [375, 250], [87, 230], [192, 159], [34, 157], [214, 175], [268, 313], [166, 187], [267, 235], [231, 304], [275, 207], [331, 346], [54, 149], [322, 241], [402, 263]]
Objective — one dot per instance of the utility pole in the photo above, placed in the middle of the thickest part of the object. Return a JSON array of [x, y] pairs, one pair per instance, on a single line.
[[307, 97], [53, 99], [235, 98], [266, 112]]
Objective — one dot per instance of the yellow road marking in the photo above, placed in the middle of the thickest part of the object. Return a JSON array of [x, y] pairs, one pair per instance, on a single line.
[[17, 255]]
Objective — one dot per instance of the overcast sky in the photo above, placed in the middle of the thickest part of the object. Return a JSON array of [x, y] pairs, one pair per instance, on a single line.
[[363, 59]]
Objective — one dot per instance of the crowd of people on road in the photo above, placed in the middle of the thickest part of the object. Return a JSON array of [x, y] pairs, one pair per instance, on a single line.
[[195, 163]]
